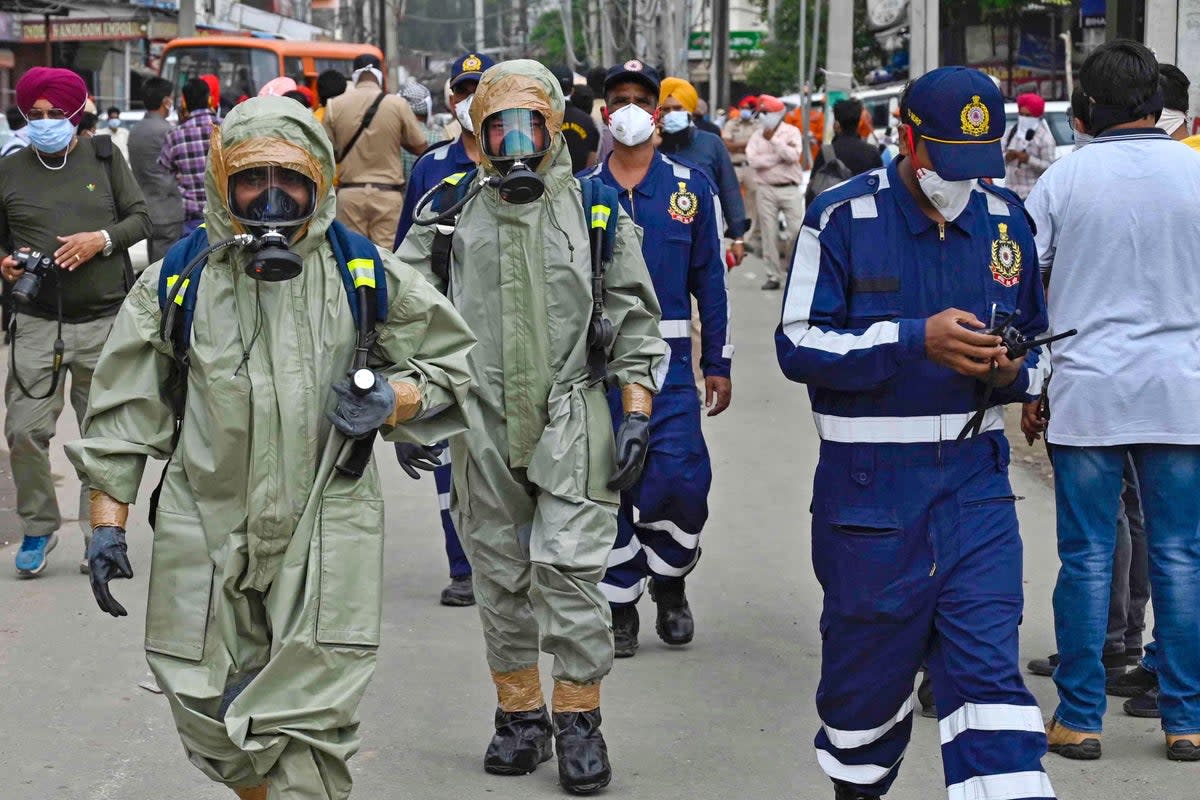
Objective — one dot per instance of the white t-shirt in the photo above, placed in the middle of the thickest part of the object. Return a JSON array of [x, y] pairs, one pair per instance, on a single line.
[[1119, 226]]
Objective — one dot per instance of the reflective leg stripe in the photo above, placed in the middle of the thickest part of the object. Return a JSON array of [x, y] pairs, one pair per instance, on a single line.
[[901, 430], [445, 457], [444, 501], [1009, 786], [861, 774], [620, 555], [689, 540], [664, 569], [848, 740], [675, 328], [623, 594], [990, 717], [1037, 376]]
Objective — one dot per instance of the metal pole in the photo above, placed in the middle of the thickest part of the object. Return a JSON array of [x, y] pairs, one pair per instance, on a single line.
[[125, 77], [479, 33], [568, 26], [720, 45], [1069, 86], [801, 64], [816, 40], [187, 18]]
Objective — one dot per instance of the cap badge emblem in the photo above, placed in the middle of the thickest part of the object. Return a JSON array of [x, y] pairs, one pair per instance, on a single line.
[[471, 64], [633, 66], [975, 118]]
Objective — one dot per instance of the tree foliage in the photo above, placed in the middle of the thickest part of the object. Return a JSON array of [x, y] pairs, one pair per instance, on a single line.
[[777, 72]]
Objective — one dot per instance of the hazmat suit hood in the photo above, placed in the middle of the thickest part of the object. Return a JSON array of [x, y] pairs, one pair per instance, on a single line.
[[274, 132], [521, 83]]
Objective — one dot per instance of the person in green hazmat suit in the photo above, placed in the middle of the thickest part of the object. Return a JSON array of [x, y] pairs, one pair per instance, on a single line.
[[265, 589], [537, 476]]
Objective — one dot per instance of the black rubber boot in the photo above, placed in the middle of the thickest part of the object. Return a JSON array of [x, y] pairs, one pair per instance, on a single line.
[[460, 592], [583, 765], [626, 625], [844, 791], [674, 624], [521, 742]]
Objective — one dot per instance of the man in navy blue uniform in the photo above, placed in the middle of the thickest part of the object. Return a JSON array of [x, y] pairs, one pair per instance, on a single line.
[[914, 532], [437, 163], [660, 518]]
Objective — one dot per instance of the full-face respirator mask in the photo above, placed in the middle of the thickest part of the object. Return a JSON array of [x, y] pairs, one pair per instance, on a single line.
[[272, 204], [516, 140]]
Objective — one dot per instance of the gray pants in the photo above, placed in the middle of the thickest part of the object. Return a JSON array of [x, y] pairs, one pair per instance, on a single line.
[[30, 424], [1131, 571]]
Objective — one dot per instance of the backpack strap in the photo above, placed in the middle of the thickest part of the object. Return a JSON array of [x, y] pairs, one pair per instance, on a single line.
[[102, 146], [361, 268], [446, 194], [362, 126]]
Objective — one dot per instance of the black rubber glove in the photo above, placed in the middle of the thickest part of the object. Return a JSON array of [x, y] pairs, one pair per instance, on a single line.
[[413, 457], [633, 441], [359, 415], [107, 559]]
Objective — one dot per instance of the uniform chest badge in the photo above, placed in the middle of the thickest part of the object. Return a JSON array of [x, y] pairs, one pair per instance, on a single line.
[[683, 205], [975, 118], [1006, 259]]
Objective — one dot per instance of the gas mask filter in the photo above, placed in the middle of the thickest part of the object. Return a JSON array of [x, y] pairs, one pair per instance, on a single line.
[[516, 140], [272, 203]]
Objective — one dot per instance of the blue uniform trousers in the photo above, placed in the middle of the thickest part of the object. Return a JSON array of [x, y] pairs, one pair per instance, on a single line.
[[459, 568], [917, 549], [660, 518]]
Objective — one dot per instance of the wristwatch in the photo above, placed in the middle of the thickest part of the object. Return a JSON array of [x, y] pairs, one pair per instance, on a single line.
[[108, 244]]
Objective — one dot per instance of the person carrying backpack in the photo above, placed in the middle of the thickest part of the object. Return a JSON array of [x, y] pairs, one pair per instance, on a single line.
[[777, 155], [229, 360], [847, 155], [536, 479]]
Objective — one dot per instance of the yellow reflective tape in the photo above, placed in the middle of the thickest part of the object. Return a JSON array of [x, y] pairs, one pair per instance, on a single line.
[[600, 215], [182, 289], [455, 178], [171, 279], [362, 270]]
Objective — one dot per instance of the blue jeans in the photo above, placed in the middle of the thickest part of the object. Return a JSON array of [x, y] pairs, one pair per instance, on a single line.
[[1088, 487]]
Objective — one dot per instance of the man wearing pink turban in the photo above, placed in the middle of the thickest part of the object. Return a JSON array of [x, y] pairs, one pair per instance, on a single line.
[[76, 201], [1028, 146]]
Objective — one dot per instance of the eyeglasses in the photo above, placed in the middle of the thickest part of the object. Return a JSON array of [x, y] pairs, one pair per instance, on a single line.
[[39, 113]]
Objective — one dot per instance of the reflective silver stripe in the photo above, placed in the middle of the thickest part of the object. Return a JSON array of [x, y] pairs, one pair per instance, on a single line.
[[1008, 786], [444, 501], [621, 594], [675, 328], [848, 740], [991, 717], [862, 774], [661, 567], [620, 555], [1037, 375], [689, 540], [864, 207], [901, 430]]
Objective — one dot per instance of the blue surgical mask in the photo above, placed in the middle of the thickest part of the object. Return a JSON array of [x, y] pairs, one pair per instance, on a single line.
[[676, 121], [114, 123], [51, 135], [745, 114]]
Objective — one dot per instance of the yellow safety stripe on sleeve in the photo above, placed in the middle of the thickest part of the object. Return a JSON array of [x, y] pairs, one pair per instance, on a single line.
[[171, 280], [600, 216], [362, 270], [455, 178]]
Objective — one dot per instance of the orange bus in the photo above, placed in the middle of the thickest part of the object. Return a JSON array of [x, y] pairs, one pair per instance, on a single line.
[[243, 64]]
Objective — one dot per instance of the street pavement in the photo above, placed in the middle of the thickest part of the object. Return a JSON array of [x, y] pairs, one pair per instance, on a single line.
[[730, 716]]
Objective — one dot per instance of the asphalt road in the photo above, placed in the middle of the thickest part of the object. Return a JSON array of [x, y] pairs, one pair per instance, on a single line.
[[730, 716]]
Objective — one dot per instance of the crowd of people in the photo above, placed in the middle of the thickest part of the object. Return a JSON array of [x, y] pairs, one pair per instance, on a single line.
[[530, 303]]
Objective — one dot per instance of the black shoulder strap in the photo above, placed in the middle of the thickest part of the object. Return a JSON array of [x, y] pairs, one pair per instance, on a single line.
[[362, 126], [103, 147]]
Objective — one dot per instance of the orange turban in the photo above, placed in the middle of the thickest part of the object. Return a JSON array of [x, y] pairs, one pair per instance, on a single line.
[[682, 91]]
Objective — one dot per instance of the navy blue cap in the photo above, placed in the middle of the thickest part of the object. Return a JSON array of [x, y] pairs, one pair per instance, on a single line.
[[959, 112], [632, 70], [469, 68]]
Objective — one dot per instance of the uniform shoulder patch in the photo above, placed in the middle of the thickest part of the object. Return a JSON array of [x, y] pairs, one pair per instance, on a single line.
[[683, 205], [1006, 258], [1010, 197]]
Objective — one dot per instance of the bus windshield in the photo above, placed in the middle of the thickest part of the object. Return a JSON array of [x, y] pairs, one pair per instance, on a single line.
[[240, 70]]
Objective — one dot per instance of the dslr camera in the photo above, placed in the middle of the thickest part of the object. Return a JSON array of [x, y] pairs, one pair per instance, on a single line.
[[36, 265]]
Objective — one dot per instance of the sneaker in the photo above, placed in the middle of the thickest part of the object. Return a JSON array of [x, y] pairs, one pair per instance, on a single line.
[[460, 592], [1043, 666], [771, 285], [1145, 705], [31, 558], [1138, 680]]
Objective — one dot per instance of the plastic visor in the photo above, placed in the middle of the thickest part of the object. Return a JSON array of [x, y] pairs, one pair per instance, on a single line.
[[515, 133], [252, 201]]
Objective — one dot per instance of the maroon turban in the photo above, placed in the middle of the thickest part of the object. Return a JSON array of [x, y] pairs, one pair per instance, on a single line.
[[62, 87]]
